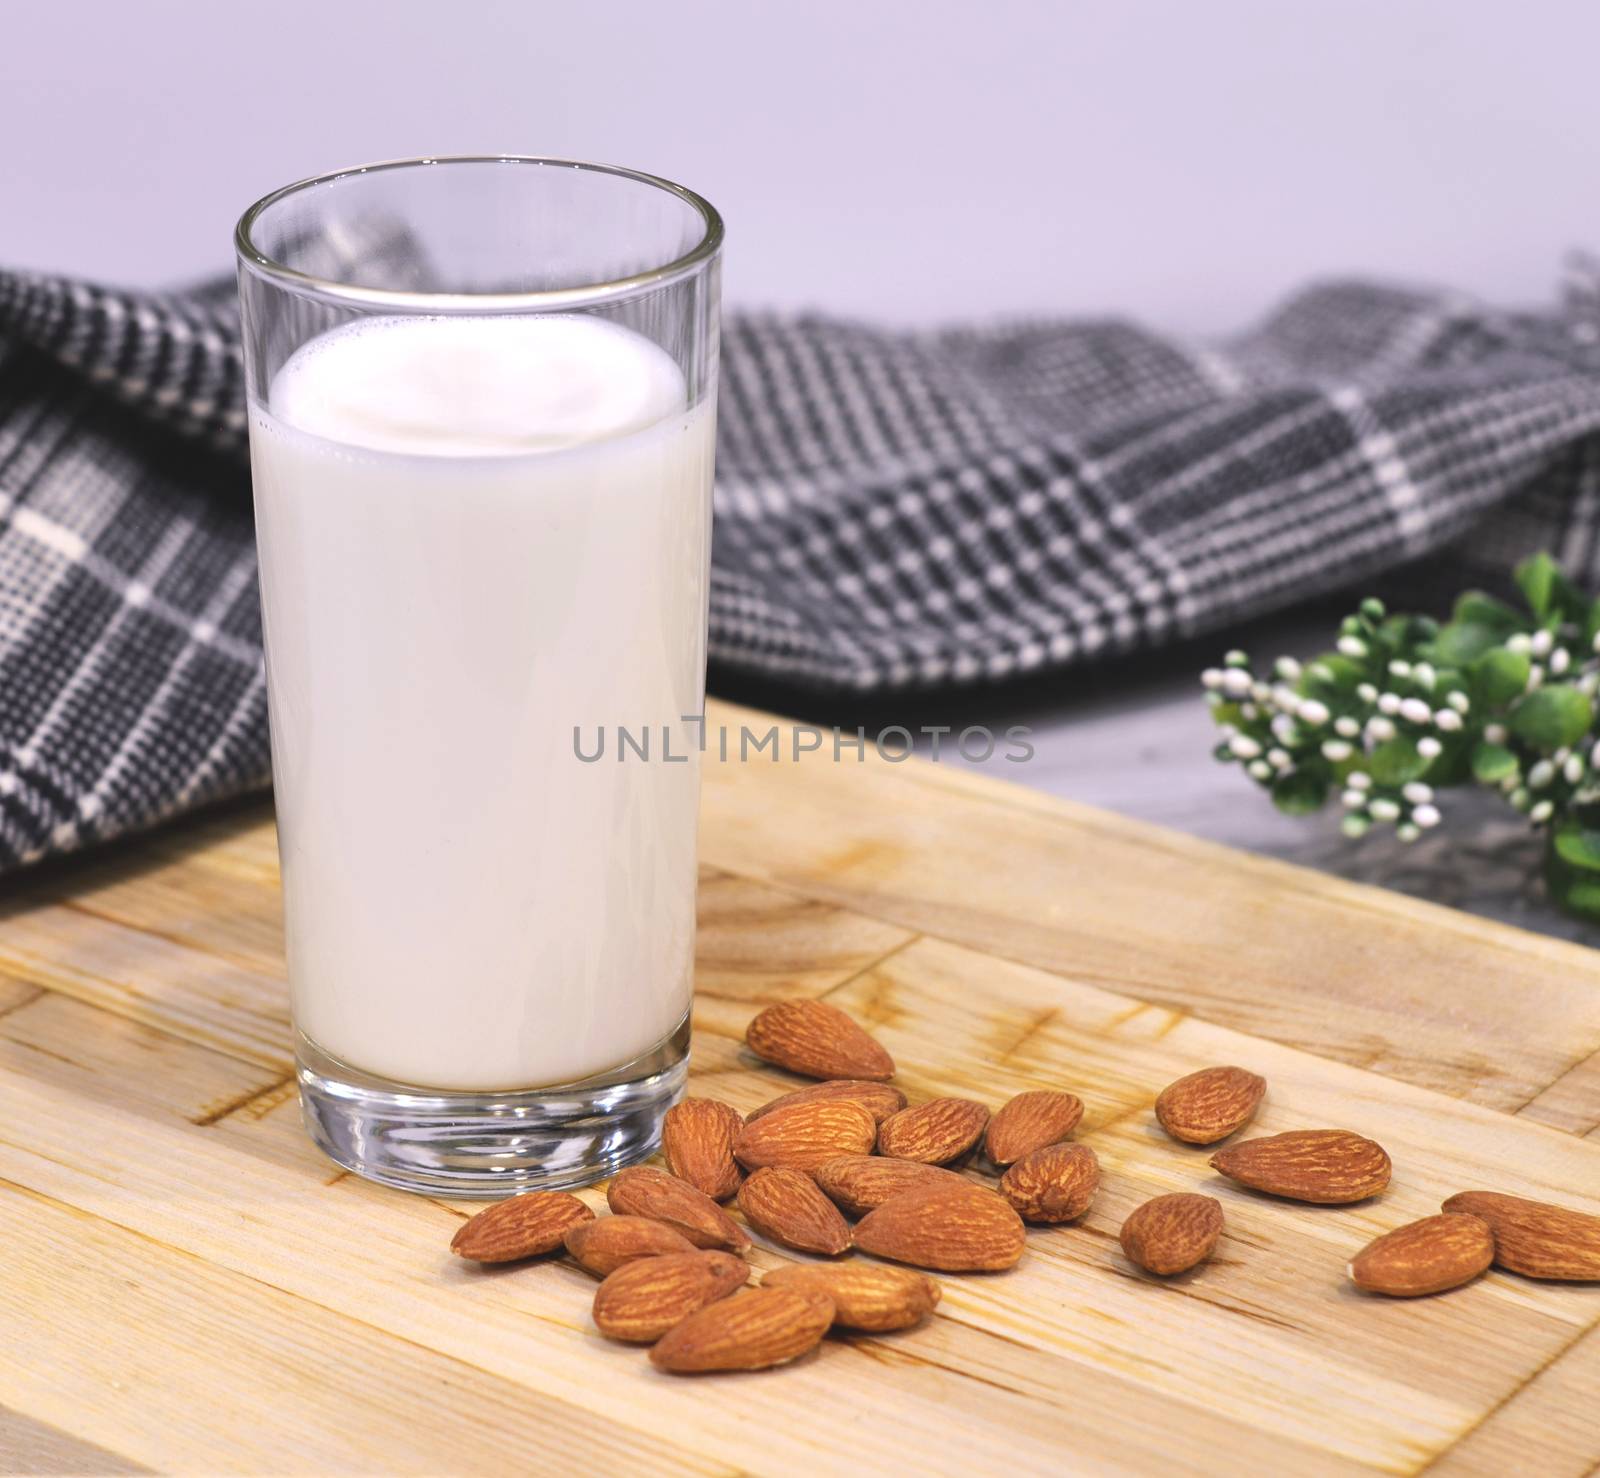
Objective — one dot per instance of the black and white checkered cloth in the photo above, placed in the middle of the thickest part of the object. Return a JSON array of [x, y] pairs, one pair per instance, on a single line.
[[894, 510]]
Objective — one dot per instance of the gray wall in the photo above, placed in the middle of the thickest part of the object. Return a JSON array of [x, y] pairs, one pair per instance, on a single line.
[[1184, 160]]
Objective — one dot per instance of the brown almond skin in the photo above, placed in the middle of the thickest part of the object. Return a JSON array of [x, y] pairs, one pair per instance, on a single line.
[[861, 1183], [645, 1191], [1211, 1104], [878, 1099], [787, 1207], [817, 1040], [933, 1133], [697, 1137], [603, 1245], [524, 1226], [1054, 1184], [1426, 1256], [1029, 1122], [1327, 1167], [1536, 1238], [865, 1295], [762, 1328], [805, 1136], [1171, 1234], [953, 1229], [642, 1300]]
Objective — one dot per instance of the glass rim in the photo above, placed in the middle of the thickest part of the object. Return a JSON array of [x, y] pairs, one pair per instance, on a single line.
[[399, 300]]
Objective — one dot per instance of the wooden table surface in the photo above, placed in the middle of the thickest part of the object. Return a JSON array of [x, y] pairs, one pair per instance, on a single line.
[[187, 1286]]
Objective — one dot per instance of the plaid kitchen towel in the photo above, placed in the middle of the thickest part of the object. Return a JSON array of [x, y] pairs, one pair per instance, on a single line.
[[894, 510]]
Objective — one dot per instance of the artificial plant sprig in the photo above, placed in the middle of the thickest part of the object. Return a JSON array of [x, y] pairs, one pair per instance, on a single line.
[[1404, 707]]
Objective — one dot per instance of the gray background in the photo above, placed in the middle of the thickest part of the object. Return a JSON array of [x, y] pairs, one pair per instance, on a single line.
[[1183, 161]]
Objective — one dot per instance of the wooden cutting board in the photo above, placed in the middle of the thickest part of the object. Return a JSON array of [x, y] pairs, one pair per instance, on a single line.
[[186, 1285]]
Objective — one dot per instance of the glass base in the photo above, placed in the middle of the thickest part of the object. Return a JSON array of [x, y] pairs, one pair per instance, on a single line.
[[484, 1145]]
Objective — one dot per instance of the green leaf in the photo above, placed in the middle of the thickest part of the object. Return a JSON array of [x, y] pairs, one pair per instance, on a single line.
[[1345, 675], [1492, 763], [1338, 769], [1572, 863], [1227, 713], [1478, 609], [1547, 591], [1536, 578], [1477, 623], [1553, 717], [1500, 675], [1300, 793], [1461, 641], [1405, 632], [1577, 893], [1577, 844], [1395, 761], [1591, 625], [1453, 766], [1487, 610]]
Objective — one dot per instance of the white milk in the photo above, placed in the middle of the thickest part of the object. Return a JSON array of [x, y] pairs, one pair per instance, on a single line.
[[475, 535]]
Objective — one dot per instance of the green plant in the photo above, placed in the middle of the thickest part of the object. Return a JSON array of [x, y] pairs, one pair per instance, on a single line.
[[1405, 707]]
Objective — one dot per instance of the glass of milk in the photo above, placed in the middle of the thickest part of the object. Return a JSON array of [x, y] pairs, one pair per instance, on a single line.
[[482, 399]]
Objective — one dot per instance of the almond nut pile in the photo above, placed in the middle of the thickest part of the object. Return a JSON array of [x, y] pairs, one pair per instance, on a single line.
[[849, 1148]]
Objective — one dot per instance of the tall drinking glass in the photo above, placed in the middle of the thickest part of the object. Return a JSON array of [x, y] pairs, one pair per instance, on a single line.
[[482, 397]]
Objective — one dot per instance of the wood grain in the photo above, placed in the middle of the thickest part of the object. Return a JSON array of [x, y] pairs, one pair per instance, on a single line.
[[157, 1191], [199, 1353], [1572, 1102], [761, 944], [29, 1446], [202, 997], [1546, 1426], [992, 1400], [1407, 989], [135, 1067]]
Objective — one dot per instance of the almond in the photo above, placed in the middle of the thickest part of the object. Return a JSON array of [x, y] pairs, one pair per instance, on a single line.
[[1424, 1256], [878, 1099], [524, 1226], [865, 1295], [933, 1133], [961, 1228], [605, 1244], [806, 1135], [697, 1137], [764, 1327], [861, 1183], [786, 1206], [1054, 1184], [818, 1040], [1170, 1234], [642, 1300], [1209, 1105], [643, 1191], [1535, 1238], [1329, 1167], [1030, 1122]]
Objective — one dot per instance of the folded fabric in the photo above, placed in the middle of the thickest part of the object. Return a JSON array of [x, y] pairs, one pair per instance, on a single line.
[[893, 510]]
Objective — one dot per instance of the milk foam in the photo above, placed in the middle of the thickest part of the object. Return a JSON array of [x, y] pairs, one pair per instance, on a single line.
[[473, 387]]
